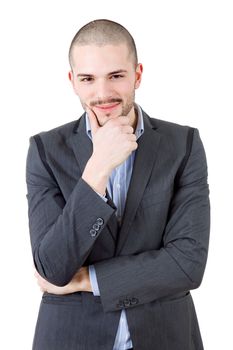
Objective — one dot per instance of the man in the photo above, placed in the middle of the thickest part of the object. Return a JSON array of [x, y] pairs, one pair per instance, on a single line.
[[118, 212]]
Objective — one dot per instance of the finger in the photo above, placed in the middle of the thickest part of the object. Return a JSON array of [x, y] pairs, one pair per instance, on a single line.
[[127, 129], [122, 120], [132, 137], [36, 274], [93, 119]]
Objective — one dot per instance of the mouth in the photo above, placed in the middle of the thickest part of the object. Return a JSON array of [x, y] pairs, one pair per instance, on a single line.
[[107, 107]]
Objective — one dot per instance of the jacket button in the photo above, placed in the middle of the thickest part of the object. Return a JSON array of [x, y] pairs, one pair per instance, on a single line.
[[96, 227], [127, 302], [134, 301], [120, 305], [93, 233], [100, 221]]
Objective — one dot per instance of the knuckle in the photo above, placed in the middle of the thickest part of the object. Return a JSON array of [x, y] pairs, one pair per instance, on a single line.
[[132, 137], [124, 120], [130, 129], [118, 128]]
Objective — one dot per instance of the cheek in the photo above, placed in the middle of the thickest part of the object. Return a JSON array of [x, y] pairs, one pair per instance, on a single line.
[[126, 89], [83, 93]]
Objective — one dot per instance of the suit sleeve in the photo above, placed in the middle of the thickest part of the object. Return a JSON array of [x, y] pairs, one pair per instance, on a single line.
[[128, 281], [61, 232]]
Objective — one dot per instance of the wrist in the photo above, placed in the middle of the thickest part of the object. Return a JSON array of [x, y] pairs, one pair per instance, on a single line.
[[99, 165], [96, 175]]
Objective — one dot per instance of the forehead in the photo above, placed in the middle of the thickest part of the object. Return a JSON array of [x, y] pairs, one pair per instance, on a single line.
[[92, 58]]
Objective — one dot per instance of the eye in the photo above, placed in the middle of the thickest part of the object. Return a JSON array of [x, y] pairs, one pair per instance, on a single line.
[[117, 76], [86, 79]]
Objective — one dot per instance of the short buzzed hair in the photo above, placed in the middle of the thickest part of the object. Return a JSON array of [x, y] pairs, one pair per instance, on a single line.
[[102, 32]]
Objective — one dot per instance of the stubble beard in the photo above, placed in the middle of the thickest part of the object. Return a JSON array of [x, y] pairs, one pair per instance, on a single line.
[[126, 108]]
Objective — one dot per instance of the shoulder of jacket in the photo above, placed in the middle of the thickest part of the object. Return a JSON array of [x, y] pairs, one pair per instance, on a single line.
[[58, 133], [168, 126]]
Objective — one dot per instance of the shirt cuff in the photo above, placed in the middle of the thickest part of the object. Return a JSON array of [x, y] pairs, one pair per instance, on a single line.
[[93, 280], [102, 196]]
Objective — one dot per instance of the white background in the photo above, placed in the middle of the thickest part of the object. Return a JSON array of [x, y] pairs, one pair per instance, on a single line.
[[186, 49]]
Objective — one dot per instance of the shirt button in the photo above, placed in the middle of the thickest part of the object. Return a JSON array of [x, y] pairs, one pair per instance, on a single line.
[[118, 186]]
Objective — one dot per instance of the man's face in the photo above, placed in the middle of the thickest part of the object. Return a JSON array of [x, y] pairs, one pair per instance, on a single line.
[[105, 79]]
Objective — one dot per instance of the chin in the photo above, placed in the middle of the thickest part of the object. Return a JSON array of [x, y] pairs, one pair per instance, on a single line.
[[108, 115], [103, 120]]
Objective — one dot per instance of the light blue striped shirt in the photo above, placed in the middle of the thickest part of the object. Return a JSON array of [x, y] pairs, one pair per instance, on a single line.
[[117, 187]]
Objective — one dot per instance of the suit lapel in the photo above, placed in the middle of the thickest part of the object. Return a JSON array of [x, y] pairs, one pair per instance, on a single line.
[[145, 158], [82, 148], [81, 144], [144, 161]]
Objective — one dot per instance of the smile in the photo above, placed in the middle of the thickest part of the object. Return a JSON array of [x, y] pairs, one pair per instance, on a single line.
[[107, 107]]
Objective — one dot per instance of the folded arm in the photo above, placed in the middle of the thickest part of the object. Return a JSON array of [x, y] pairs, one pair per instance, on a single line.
[[61, 231], [128, 281]]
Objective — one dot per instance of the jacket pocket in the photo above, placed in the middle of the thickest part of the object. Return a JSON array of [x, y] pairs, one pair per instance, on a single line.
[[179, 323], [73, 298], [59, 325]]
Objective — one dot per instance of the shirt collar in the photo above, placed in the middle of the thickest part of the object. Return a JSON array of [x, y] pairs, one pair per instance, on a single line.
[[139, 128]]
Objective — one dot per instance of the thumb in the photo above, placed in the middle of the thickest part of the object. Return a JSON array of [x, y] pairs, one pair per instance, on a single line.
[[93, 120]]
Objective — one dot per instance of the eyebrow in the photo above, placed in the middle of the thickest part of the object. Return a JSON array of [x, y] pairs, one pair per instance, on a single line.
[[111, 73]]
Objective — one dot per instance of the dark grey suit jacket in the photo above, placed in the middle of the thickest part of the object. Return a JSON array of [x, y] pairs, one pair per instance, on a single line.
[[147, 266]]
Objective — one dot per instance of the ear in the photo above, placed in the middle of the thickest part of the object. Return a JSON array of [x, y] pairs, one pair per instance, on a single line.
[[71, 79], [138, 75], [70, 76]]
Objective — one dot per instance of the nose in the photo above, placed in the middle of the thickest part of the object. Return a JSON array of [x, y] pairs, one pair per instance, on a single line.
[[103, 90]]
